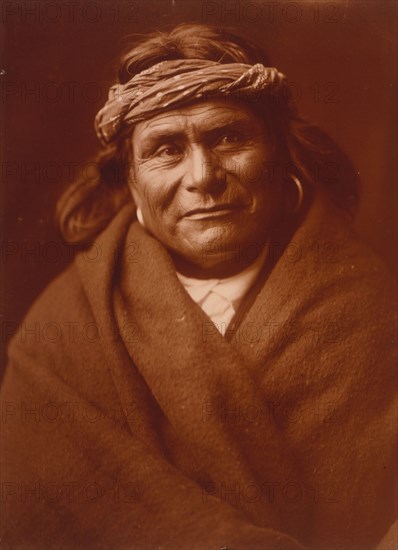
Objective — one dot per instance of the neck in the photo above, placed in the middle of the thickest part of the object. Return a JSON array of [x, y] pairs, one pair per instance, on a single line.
[[219, 268]]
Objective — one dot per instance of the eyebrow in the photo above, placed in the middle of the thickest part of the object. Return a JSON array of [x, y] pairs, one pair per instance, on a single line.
[[158, 136]]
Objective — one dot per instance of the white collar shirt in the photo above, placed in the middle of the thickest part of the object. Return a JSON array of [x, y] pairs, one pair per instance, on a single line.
[[221, 298]]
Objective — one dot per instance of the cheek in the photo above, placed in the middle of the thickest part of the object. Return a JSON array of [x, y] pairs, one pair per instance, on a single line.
[[252, 168], [151, 192]]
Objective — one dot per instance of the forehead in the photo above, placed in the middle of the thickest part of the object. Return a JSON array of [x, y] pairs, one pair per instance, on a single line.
[[204, 116]]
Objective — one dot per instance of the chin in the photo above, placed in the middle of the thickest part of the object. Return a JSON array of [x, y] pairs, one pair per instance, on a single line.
[[218, 235], [214, 245]]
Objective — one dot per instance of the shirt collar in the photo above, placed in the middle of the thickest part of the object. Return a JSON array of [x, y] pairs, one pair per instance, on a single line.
[[232, 288]]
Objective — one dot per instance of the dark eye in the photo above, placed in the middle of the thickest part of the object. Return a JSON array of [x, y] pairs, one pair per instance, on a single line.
[[230, 138], [169, 151]]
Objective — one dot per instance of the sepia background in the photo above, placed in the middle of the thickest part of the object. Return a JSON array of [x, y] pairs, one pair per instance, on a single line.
[[59, 60]]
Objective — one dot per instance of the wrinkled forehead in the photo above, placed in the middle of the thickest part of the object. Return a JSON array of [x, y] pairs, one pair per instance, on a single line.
[[200, 116]]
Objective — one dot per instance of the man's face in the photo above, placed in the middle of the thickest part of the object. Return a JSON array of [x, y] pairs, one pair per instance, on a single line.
[[201, 179]]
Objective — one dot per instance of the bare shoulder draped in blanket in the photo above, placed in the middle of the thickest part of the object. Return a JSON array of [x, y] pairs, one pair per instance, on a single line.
[[216, 367]]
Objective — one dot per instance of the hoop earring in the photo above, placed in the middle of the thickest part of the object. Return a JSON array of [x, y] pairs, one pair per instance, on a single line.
[[300, 193], [140, 217]]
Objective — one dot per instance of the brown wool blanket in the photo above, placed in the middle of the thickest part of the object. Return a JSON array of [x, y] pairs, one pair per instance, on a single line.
[[130, 422]]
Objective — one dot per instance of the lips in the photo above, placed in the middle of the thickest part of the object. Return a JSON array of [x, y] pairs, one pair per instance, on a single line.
[[213, 211]]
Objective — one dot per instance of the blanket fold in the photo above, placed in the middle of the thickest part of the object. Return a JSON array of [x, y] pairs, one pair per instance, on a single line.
[[130, 422]]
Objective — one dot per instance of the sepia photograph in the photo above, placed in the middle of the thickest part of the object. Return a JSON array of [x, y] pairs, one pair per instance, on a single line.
[[198, 275]]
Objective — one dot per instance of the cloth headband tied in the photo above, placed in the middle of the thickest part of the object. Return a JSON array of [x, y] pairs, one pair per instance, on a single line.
[[170, 84]]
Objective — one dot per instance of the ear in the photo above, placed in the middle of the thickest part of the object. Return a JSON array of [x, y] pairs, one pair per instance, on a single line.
[[136, 197], [140, 217], [131, 176], [132, 184], [129, 160]]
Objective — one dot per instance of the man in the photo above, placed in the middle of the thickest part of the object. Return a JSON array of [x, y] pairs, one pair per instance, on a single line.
[[205, 396]]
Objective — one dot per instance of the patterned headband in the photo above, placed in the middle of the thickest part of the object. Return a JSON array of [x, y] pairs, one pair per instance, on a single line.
[[170, 84]]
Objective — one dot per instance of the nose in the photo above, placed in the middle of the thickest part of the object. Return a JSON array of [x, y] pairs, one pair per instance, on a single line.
[[204, 172]]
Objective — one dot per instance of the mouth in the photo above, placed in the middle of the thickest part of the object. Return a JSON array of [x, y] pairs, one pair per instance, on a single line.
[[217, 211]]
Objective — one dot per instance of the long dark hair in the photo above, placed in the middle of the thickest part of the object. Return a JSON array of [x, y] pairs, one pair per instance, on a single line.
[[88, 205]]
